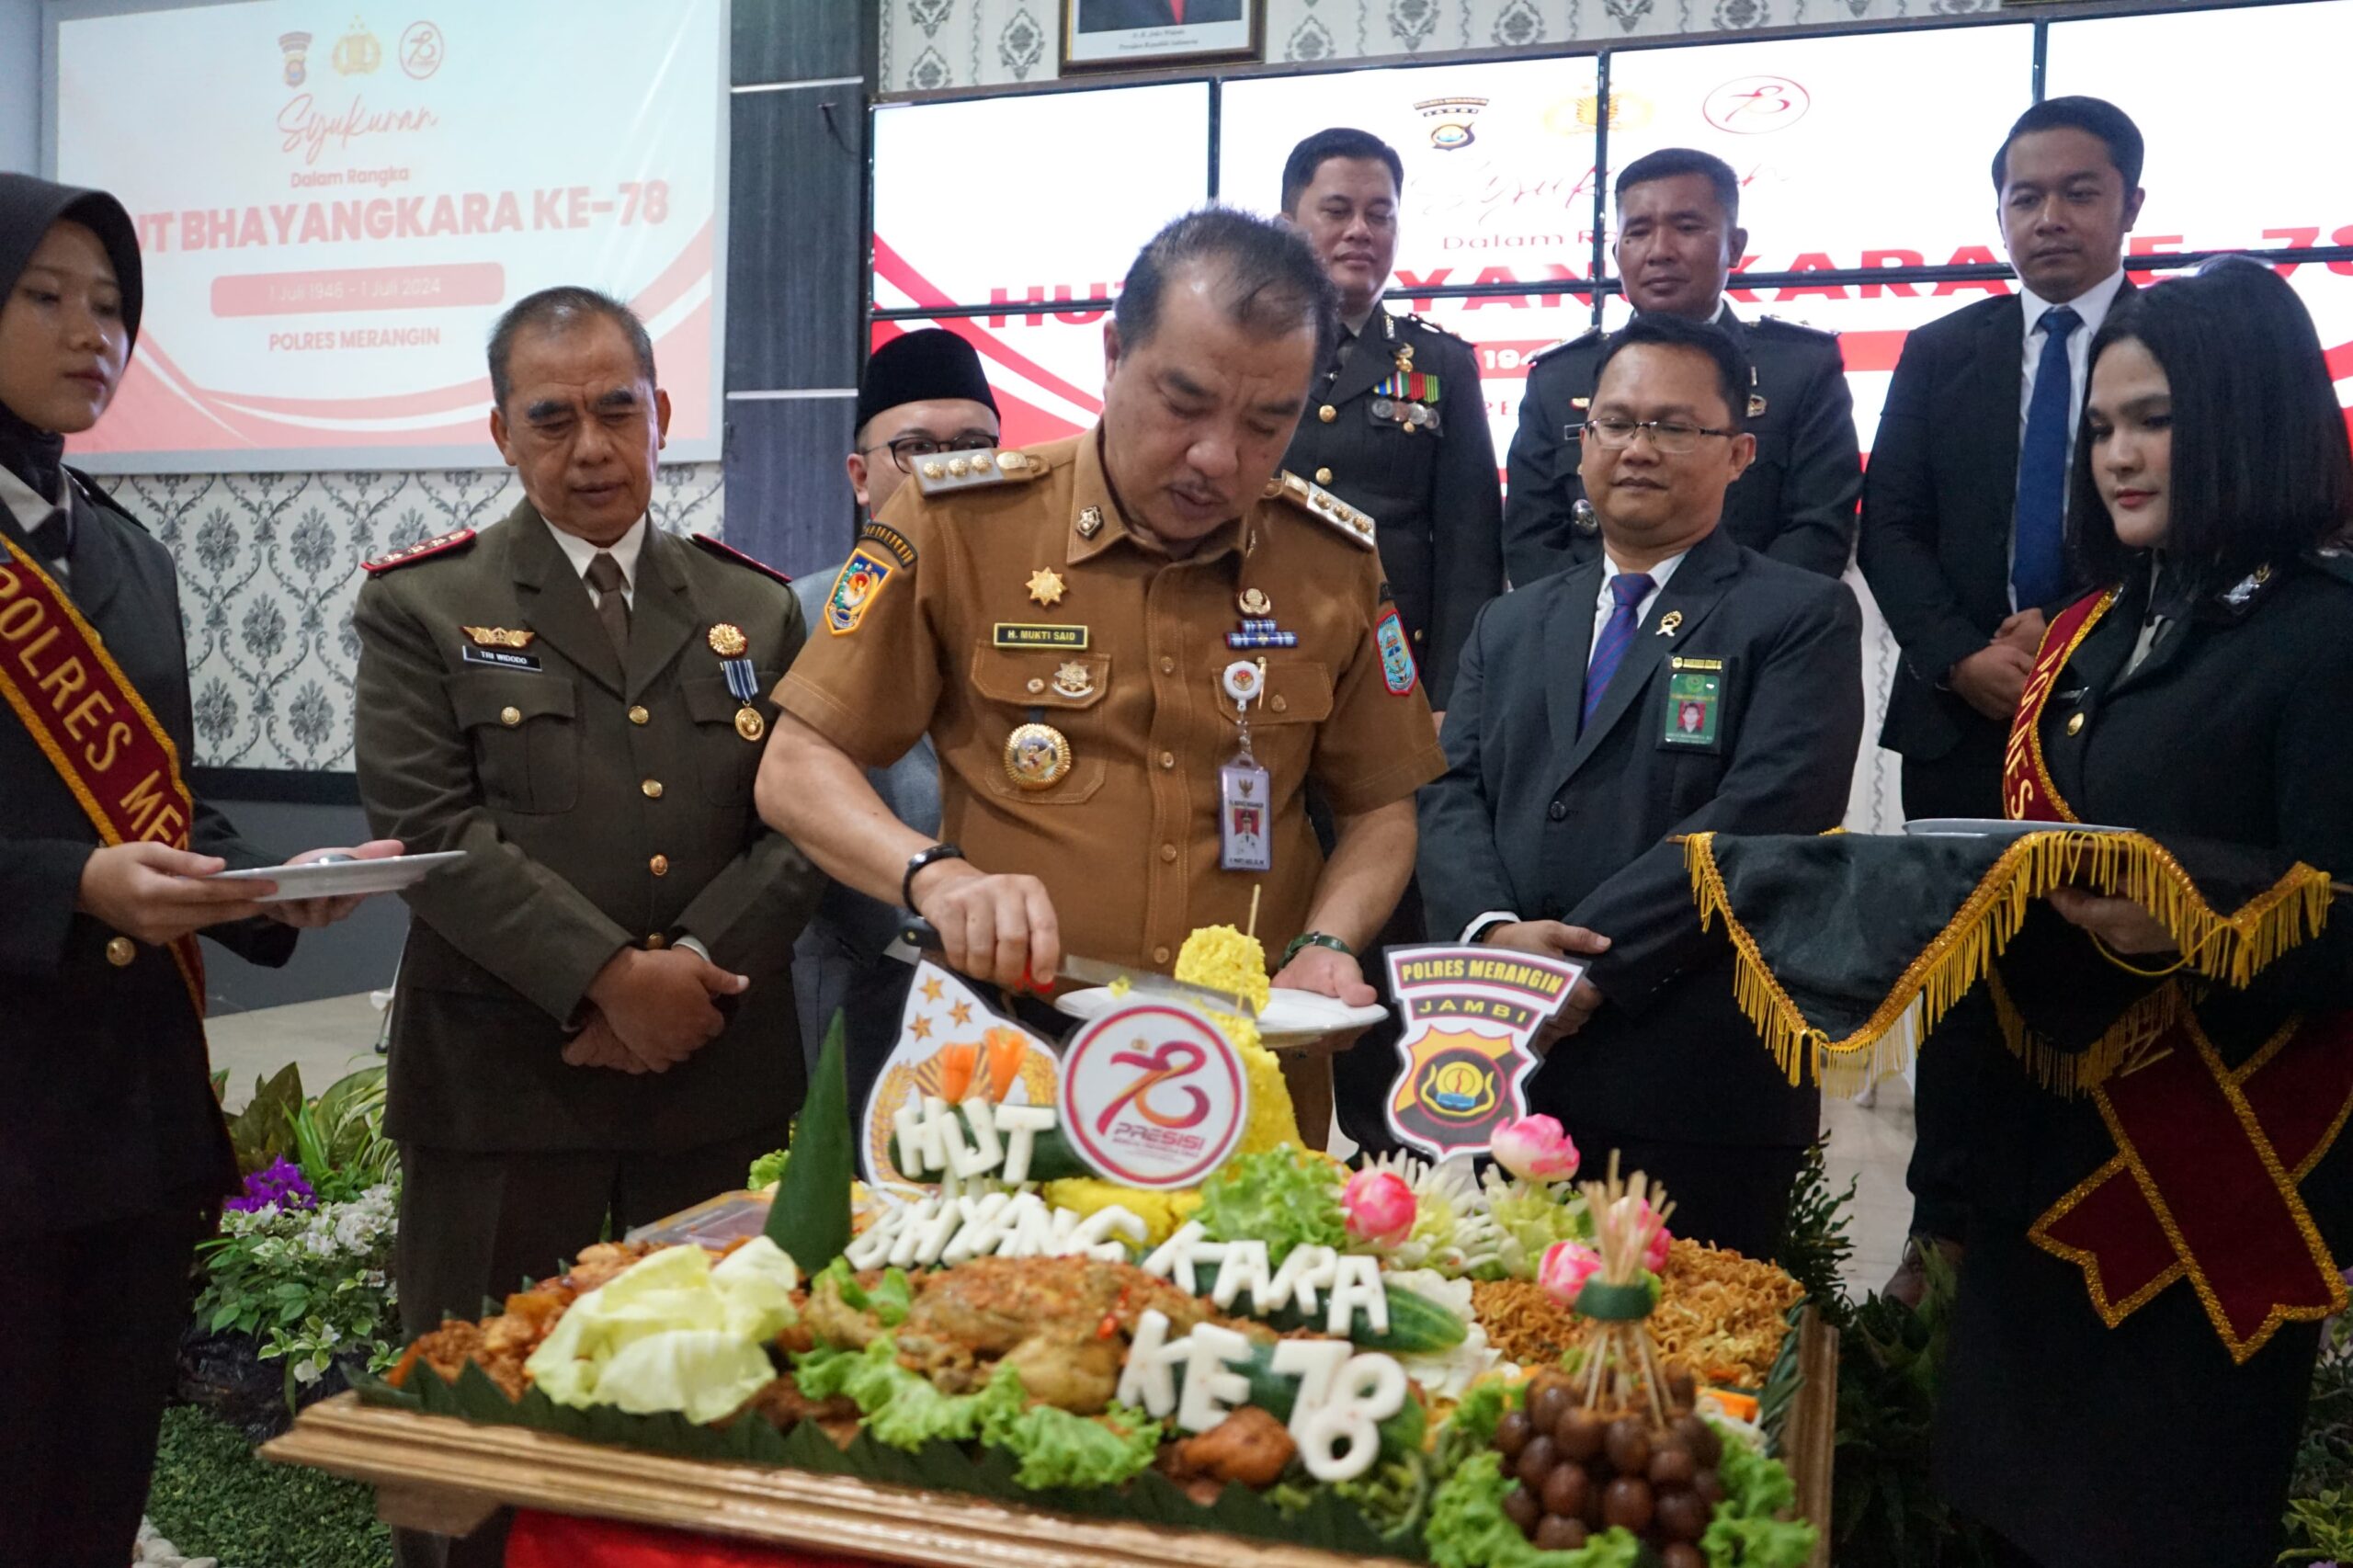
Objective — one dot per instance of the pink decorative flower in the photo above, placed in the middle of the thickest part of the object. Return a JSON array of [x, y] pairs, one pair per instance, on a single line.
[[1380, 1207], [1636, 1214], [1535, 1149], [1566, 1266]]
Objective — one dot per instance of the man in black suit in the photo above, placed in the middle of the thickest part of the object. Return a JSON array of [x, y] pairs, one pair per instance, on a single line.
[[1679, 238], [1722, 690], [1963, 510]]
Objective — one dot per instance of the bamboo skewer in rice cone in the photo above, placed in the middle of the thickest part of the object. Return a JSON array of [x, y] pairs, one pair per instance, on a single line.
[[1627, 1215]]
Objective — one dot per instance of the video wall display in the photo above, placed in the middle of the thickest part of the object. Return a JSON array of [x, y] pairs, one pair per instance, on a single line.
[[1869, 151]]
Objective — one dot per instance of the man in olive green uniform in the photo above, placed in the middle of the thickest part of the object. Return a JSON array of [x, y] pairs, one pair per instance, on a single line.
[[1080, 627], [594, 1021], [1678, 237]]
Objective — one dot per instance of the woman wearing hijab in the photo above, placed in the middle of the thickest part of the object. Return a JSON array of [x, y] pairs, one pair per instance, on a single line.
[[113, 1158], [2130, 1360]]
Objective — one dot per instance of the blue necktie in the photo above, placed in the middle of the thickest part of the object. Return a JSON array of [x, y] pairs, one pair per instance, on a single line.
[[1629, 588], [2039, 557]]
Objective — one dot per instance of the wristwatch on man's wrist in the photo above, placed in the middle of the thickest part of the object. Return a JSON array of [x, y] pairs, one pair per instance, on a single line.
[[916, 862], [1315, 939]]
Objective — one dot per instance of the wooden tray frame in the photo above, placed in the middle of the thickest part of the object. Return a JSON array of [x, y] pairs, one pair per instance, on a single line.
[[440, 1474]]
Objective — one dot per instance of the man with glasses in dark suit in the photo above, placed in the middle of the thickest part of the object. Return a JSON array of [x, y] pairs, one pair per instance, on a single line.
[[1962, 538], [924, 393], [1679, 683]]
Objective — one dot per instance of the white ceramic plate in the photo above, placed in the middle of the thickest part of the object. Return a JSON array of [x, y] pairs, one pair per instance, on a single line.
[[344, 879], [1995, 828], [1289, 1018]]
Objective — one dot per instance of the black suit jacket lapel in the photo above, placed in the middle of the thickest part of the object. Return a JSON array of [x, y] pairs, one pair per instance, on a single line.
[[555, 601], [1568, 642], [1372, 359], [1696, 588], [662, 615]]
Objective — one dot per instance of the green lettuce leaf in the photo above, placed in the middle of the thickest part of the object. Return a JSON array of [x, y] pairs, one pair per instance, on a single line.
[[1744, 1532], [1284, 1197], [704, 1374], [901, 1408], [1058, 1448], [766, 1171], [1467, 1528], [889, 1301]]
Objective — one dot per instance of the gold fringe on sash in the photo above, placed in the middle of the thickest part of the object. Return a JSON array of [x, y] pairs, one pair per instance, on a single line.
[[2232, 948]]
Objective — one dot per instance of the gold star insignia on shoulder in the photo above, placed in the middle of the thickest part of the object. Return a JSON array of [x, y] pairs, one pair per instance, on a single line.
[[1046, 587]]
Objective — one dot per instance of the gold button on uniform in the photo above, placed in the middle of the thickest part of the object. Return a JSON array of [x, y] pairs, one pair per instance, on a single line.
[[1036, 682], [1168, 666], [1279, 704], [1160, 955], [2076, 725], [659, 865], [1169, 852], [1168, 759], [653, 787], [121, 952], [640, 716], [510, 717], [657, 942], [1323, 476], [1327, 413]]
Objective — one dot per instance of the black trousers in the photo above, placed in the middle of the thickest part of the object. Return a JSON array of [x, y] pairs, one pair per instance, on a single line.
[[1966, 782], [1363, 1074], [1726, 1195], [473, 1225], [90, 1322]]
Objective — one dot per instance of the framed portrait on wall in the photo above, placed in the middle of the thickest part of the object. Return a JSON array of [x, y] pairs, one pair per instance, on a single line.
[[1107, 35]]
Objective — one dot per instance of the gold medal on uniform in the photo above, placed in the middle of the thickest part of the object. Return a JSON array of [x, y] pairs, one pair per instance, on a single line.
[[1245, 792], [729, 643], [1037, 755]]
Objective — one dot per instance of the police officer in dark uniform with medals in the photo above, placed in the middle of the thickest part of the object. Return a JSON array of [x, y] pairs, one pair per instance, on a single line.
[[1678, 237], [1397, 426]]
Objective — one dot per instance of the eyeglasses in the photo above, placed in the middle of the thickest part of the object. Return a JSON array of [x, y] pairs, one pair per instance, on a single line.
[[1672, 437], [908, 451]]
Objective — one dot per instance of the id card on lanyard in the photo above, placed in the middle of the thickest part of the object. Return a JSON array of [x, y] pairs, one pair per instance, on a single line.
[[1245, 793]]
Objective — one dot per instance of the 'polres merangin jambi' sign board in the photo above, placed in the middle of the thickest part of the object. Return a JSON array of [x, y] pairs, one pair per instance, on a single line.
[[1153, 1096], [335, 208], [1469, 1014]]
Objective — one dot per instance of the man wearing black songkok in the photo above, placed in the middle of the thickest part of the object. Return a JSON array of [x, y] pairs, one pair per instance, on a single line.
[[113, 1159], [923, 393]]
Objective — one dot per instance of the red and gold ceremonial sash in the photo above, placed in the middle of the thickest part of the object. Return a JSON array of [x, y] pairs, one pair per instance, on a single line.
[[2204, 1183], [92, 724], [2028, 794]]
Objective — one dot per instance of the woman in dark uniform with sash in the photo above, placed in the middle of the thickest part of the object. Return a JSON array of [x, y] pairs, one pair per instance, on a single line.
[[113, 1159], [2138, 1314]]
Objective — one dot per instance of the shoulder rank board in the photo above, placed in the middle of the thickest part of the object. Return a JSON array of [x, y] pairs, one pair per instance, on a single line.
[[440, 545], [944, 472], [718, 551], [1326, 507]]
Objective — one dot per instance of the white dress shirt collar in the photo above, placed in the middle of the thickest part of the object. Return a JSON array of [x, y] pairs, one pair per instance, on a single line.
[[2092, 304], [624, 551], [1605, 601]]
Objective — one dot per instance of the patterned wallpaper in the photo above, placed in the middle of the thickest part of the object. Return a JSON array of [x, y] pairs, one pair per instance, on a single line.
[[269, 566], [929, 45]]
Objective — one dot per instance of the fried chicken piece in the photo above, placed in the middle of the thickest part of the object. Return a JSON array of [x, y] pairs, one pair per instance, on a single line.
[[835, 1322], [1249, 1446], [446, 1349], [1065, 1321], [597, 1265]]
